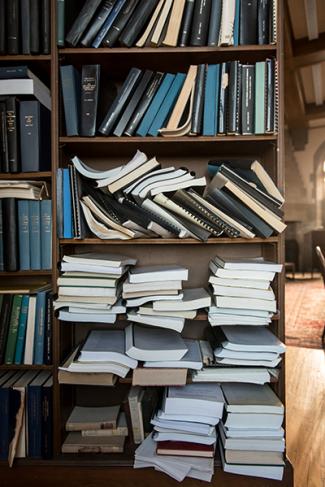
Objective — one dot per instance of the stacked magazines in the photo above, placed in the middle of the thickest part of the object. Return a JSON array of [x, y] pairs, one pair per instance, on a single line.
[[143, 199]]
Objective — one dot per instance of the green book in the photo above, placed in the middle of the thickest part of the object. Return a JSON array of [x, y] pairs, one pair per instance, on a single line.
[[260, 113], [13, 329]]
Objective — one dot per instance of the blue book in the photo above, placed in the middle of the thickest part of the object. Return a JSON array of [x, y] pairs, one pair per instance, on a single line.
[[20, 344], [9, 405], [211, 100], [39, 337], [2, 265], [169, 102], [155, 105], [35, 414], [23, 232], [71, 89], [59, 203], [46, 234], [108, 23], [236, 23], [35, 234], [67, 206]]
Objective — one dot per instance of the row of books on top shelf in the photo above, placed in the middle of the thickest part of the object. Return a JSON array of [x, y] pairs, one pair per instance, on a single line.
[[25, 27], [26, 428], [25, 226], [242, 421], [26, 324], [170, 23], [231, 98], [143, 200]]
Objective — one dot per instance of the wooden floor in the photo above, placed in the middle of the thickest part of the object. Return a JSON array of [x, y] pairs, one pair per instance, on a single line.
[[305, 386]]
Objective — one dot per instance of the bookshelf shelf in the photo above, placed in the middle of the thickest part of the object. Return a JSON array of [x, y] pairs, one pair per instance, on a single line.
[[25, 57], [170, 241], [25, 367], [26, 175], [265, 49], [26, 273], [168, 140]]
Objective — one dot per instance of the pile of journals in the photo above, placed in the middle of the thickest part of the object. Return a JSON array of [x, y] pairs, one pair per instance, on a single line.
[[242, 292], [95, 429], [251, 439], [90, 287], [183, 445]]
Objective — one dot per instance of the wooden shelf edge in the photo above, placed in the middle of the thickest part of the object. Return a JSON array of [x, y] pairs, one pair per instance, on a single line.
[[168, 140], [168, 50], [25, 273], [169, 241], [26, 175], [25, 57], [25, 367]]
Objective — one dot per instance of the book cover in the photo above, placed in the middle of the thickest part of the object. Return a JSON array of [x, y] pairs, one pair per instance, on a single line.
[[20, 344], [45, 29], [2, 265], [46, 234], [215, 22], [67, 205], [90, 79], [25, 26], [10, 236], [70, 86], [248, 99], [81, 22], [97, 22], [24, 235], [35, 234], [13, 330], [260, 91], [263, 21], [34, 26], [248, 22], [12, 133], [119, 23], [198, 105], [137, 22], [200, 23], [211, 93], [234, 98], [118, 5], [13, 30], [38, 358], [185, 30], [5, 319]]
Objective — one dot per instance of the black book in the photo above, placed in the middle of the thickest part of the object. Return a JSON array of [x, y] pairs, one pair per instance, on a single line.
[[137, 21], [138, 93], [2, 26], [215, 22], [1, 239], [248, 22], [4, 320], [45, 29], [70, 85], [12, 133], [13, 30], [81, 23], [119, 23], [120, 101], [79, 223], [35, 141], [198, 104], [200, 24], [223, 98], [25, 26], [4, 138], [97, 22], [10, 234], [90, 79], [34, 26], [144, 104], [263, 21], [248, 99], [233, 109], [270, 99], [47, 419], [185, 30], [48, 329]]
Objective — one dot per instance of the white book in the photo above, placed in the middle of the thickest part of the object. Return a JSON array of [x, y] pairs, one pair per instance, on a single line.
[[87, 299], [105, 346], [100, 367], [243, 312], [242, 283], [157, 210], [92, 173], [152, 294], [148, 310], [154, 18], [87, 317], [173, 436], [253, 264], [251, 398], [158, 273], [120, 430], [79, 267], [89, 282], [25, 86], [254, 433], [153, 344], [166, 188], [243, 292], [99, 259], [224, 352], [131, 176], [254, 420], [91, 275], [88, 291], [226, 35], [144, 180], [73, 309], [191, 418], [195, 428], [151, 286], [99, 229], [135, 397], [59, 303], [196, 298], [252, 375], [240, 274], [253, 363], [30, 331], [117, 308], [168, 322], [134, 302], [137, 160], [252, 444], [219, 320], [248, 338], [141, 188], [173, 177], [191, 360], [245, 303], [92, 418]]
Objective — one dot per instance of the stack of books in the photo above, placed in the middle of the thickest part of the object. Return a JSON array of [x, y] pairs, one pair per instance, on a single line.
[[25, 27], [26, 324], [95, 429], [242, 292], [230, 98], [183, 442], [26, 415], [171, 23], [139, 406], [90, 287], [251, 439]]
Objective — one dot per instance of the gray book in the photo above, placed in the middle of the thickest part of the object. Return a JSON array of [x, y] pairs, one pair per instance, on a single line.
[[92, 418], [251, 398]]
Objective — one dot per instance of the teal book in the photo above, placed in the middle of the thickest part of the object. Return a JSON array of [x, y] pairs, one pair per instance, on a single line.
[[67, 205], [35, 234], [13, 330], [236, 23], [260, 109], [39, 337], [46, 234], [211, 100], [155, 105], [165, 109], [23, 233], [20, 344]]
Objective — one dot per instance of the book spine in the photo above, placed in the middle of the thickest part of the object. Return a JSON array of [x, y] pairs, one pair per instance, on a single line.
[[223, 99], [120, 22], [263, 22], [44, 138], [90, 79], [248, 22], [247, 101], [3, 26], [273, 15], [13, 330], [118, 5], [29, 135], [135, 420], [5, 319], [35, 234], [12, 134], [20, 344], [47, 422], [4, 138], [198, 105], [97, 23], [45, 29], [211, 93], [236, 27], [270, 96], [10, 241], [200, 23], [34, 418], [24, 237], [60, 22], [4, 422], [234, 98], [67, 206], [48, 330], [25, 26], [34, 26], [59, 203], [46, 234], [185, 30], [260, 113], [8, 72], [80, 24], [39, 338], [2, 265], [74, 200], [215, 22], [70, 85], [137, 22], [12, 12]]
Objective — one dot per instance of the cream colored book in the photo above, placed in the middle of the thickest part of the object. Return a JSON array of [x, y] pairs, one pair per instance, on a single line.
[[76, 443], [99, 229], [174, 24], [120, 430], [161, 22], [133, 175], [143, 39]]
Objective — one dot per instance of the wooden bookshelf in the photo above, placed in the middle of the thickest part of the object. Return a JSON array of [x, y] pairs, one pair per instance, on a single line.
[[84, 469]]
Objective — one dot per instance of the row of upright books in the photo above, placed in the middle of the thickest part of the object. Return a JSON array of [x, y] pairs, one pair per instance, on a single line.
[[231, 98], [142, 199], [170, 23]]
